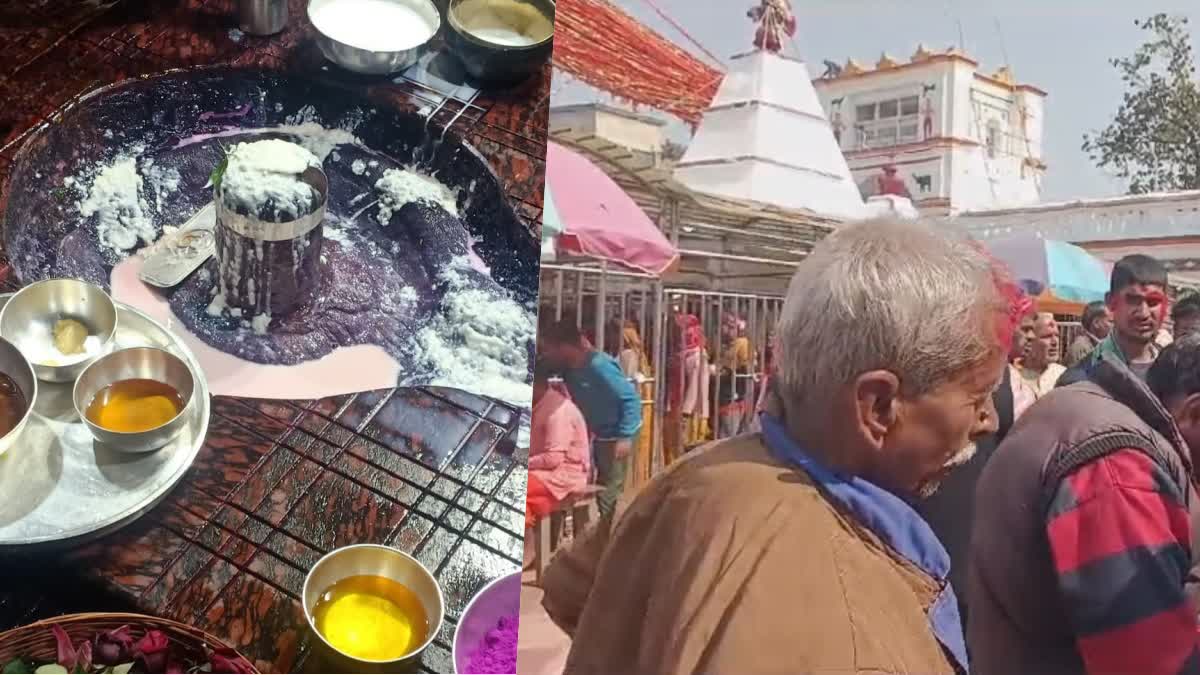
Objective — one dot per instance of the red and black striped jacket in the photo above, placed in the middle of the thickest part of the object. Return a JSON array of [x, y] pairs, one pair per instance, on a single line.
[[1120, 539], [1081, 545]]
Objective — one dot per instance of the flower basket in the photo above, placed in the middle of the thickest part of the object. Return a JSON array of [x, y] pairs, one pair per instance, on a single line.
[[36, 641]]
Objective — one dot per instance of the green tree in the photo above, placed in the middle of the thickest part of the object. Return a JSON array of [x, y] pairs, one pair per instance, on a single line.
[[1153, 141]]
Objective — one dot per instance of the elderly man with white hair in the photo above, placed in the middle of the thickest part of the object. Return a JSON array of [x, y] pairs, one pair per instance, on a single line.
[[794, 550]]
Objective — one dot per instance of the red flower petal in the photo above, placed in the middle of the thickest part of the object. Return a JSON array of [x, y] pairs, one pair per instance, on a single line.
[[152, 642], [152, 650], [67, 658], [84, 654]]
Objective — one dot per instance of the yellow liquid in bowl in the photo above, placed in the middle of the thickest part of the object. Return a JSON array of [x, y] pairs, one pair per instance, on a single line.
[[131, 406], [371, 618]]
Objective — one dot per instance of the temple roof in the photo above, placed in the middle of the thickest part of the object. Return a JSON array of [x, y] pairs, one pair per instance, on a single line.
[[765, 138]]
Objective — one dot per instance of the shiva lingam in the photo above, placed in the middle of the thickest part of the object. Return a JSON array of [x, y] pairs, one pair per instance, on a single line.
[[269, 199]]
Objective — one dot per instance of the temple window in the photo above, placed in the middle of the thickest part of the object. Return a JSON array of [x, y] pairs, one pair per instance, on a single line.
[[890, 121], [993, 138]]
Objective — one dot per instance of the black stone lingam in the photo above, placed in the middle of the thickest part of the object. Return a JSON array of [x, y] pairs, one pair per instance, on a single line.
[[267, 264]]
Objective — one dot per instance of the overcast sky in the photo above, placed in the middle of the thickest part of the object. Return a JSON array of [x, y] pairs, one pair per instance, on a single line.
[[1061, 46]]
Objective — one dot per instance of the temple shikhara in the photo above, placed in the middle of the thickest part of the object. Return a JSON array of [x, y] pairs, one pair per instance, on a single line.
[[764, 138]]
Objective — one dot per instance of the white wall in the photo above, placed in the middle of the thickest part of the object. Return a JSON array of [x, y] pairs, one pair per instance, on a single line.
[[1164, 216], [957, 163]]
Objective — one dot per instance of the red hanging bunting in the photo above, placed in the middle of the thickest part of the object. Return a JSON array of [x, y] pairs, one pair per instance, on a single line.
[[603, 46]]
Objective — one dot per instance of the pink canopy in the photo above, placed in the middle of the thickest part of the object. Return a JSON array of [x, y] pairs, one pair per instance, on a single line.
[[597, 219]]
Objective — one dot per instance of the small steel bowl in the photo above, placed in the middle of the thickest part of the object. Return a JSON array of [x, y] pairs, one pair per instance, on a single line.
[[375, 560], [366, 61], [147, 363], [28, 319], [493, 62], [500, 598], [14, 364]]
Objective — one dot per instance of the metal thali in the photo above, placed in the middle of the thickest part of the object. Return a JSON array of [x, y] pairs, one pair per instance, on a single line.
[[60, 488]]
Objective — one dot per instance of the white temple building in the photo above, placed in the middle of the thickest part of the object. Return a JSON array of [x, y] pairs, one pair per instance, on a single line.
[[765, 139], [937, 128]]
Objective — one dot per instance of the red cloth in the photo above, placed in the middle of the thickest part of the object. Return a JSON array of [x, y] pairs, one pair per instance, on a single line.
[[893, 185], [539, 503], [693, 336], [1120, 540], [771, 41]]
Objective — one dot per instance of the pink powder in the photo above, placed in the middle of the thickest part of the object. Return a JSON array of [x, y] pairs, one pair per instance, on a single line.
[[497, 654]]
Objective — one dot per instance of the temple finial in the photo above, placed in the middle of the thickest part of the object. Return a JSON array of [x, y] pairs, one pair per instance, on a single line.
[[775, 24]]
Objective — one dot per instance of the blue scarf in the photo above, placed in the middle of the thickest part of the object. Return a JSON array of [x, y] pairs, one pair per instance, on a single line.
[[893, 521]]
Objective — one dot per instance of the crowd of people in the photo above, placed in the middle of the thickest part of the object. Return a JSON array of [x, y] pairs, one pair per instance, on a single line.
[[710, 391], [592, 410], [932, 490]]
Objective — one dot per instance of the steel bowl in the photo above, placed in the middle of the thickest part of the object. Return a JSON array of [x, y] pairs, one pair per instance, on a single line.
[[375, 560], [367, 61], [28, 319], [477, 28], [148, 363], [498, 599], [14, 364]]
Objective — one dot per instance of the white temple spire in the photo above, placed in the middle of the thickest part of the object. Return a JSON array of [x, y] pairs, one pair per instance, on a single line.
[[765, 138]]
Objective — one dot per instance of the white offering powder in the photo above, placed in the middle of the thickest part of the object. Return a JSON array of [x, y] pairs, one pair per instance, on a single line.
[[374, 25], [42, 351], [478, 342], [115, 199], [218, 305], [268, 172], [398, 187], [318, 139], [260, 323], [359, 167], [335, 233], [164, 181]]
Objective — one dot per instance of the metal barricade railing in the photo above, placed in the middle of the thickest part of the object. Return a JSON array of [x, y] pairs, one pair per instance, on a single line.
[[595, 295], [760, 314]]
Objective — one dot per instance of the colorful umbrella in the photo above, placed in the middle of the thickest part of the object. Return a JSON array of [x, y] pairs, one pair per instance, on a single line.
[[1066, 272], [594, 217]]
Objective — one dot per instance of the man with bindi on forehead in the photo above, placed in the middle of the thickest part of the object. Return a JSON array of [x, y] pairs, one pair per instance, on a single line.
[[1040, 367], [1137, 297]]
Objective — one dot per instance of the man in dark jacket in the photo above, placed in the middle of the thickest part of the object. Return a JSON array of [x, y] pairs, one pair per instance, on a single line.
[[1137, 297], [1081, 556], [1096, 324]]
